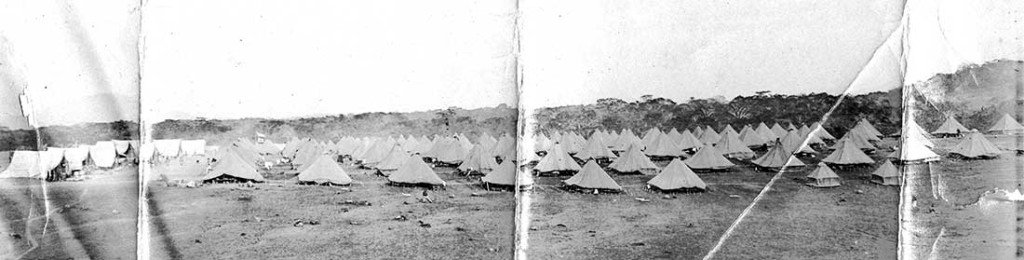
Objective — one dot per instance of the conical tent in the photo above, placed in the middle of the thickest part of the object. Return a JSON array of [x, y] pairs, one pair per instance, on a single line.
[[633, 161], [323, 170], [913, 150], [865, 132], [505, 174], [729, 130], [709, 136], [505, 148], [674, 136], [697, 131], [557, 160], [1006, 125], [731, 147], [778, 130], [592, 177], [858, 140], [766, 133], [24, 164], [689, 141], [414, 171], [777, 157], [823, 177], [950, 127], [230, 165], [708, 158], [478, 161], [975, 145], [794, 143], [868, 128], [820, 132], [570, 143], [448, 151], [595, 149], [677, 176], [541, 143], [395, 158], [661, 146], [886, 174], [626, 140], [847, 153], [751, 138], [650, 136]]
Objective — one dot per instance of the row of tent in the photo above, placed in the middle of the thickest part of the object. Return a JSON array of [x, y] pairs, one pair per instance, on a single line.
[[55, 163], [171, 148], [1004, 125]]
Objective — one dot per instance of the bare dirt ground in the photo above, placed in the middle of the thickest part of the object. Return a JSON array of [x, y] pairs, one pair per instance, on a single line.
[[223, 221], [855, 221], [951, 219], [95, 218]]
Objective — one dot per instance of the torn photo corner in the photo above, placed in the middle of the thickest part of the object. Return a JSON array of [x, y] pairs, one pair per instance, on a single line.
[[511, 130]]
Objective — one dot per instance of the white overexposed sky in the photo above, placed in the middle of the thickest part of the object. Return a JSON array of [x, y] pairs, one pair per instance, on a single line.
[[275, 58], [78, 58], [279, 58]]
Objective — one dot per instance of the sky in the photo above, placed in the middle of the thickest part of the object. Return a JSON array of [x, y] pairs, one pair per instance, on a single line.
[[279, 59], [77, 59]]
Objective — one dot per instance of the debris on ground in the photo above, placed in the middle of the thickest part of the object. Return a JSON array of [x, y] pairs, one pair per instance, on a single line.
[[734, 196], [426, 200], [356, 202], [642, 199], [451, 196], [406, 194], [859, 191], [400, 218], [474, 194], [560, 225], [533, 229], [303, 222], [637, 244], [460, 229], [14, 235], [423, 224], [668, 197]]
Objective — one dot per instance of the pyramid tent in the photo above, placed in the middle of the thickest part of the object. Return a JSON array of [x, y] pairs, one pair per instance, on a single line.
[[592, 177], [486, 140], [803, 130], [677, 176], [1006, 125], [886, 174], [373, 154], [766, 133], [867, 127], [708, 158], [913, 130], [233, 166], [731, 147], [662, 146], [395, 158], [751, 138], [914, 149], [505, 148], [975, 145], [674, 136], [478, 161], [306, 155], [168, 147], [595, 148], [823, 177], [627, 139], [794, 143], [847, 153], [650, 136], [776, 158], [571, 143], [778, 130], [448, 150], [557, 160], [950, 127], [541, 142], [505, 174], [324, 170], [857, 139], [103, 154], [709, 136], [697, 131], [633, 161], [25, 164], [689, 141], [820, 132], [865, 131], [464, 142], [729, 130], [415, 171], [196, 147]]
